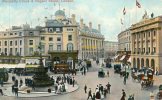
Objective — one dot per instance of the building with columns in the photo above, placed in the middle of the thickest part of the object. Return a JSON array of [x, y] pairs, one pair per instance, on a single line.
[[146, 43], [91, 41]]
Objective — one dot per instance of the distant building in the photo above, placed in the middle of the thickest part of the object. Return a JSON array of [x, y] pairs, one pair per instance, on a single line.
[[124, 40], [110, 48]]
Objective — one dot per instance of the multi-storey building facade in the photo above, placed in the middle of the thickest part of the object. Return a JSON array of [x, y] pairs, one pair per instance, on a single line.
[[110, 48], [59, 34], [90, 41], [146, 44], [124, 40]]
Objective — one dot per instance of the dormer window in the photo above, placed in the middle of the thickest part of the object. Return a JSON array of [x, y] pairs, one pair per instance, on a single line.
[[31, 33], [20, 33], [57, 29], [50, 30]]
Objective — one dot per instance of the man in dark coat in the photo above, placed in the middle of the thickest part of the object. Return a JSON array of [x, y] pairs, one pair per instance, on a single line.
[[85, 89], [123, 95], [108, 87], [1, 91], [89, 94]]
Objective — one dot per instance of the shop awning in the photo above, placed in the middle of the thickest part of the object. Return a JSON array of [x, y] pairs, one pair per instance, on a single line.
[[129, 60], [122, 58], [8, 65], [20, 65], [31, 66]]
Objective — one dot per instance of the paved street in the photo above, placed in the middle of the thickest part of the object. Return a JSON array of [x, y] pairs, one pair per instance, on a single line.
[[91, 80]]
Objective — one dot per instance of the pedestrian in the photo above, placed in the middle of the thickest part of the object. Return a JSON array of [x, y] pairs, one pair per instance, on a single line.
[[13, 78], [85, 88], [73, 81], [123, 95], [16, 91], [94, 96], [108, 73], [1, 81], [124, 80], [108, 87], [1, 91], [13, 88], [105, 92], [89, 94], [84, 71], [21, 82]]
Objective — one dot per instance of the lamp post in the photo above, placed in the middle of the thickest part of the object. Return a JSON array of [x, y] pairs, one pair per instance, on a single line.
[[125, 62]]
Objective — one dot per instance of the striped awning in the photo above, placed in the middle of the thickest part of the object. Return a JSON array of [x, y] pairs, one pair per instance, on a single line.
[[129, 60], [122, 58], [116, 56]]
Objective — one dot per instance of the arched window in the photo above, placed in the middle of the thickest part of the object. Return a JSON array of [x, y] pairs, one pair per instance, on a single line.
[[69, 47]]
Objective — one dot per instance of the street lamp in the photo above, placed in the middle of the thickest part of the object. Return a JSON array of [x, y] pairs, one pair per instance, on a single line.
[[125, 62]]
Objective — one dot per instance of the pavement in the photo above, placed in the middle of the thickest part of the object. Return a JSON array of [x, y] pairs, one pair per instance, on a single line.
[[91, 80]]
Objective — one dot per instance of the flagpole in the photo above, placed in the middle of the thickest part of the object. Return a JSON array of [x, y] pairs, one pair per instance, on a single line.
[[136, 12]]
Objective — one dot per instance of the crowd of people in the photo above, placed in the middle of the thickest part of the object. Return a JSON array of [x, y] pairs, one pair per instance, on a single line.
[[100, 91], [60, 81]]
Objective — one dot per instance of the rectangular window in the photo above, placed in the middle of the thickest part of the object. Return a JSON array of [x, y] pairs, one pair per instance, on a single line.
[[50, 39], [42, 48], [0, 43], [10, 50], [11, 33], [20, 51], [50, 47], [5, 51], [58, 47], [16, 51], [148, 34], [154, 33], [154, 49], [149, 50], [31, 51], [69, 37], [5, 43], [15, 43], [42, 38], [58, 38], [30, 42], [10, 43], [20, 42]]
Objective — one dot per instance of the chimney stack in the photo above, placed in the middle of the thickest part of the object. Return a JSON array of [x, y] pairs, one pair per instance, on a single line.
[[81, 23], [73, 19], [90, 25], [99, 28]]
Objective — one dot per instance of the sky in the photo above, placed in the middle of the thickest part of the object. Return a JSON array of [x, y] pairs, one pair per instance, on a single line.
[[108, 13]]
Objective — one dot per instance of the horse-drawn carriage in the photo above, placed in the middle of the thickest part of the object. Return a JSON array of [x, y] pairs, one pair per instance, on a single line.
[[117, 68], [101, 73], [4, 75], [159, 94]]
